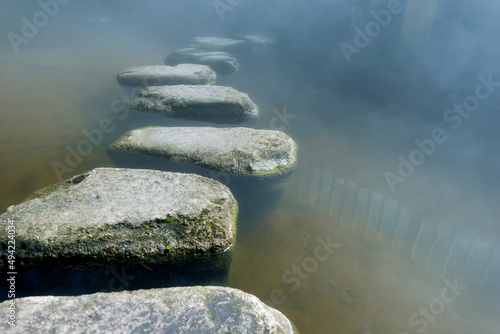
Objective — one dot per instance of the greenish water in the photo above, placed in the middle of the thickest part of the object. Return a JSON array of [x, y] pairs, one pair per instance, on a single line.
[[52, 91]]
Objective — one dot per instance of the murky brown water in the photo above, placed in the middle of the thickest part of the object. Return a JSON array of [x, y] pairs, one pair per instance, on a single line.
[[51, 92]]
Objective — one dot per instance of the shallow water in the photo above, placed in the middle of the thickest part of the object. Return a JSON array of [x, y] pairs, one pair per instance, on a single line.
[[63, 82]]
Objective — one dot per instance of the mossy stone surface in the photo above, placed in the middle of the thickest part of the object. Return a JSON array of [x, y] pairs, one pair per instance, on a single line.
[[117, 215]]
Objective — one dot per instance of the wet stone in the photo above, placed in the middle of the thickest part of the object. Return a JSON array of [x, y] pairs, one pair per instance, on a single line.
[[221, 62], [218, 104], [121, 215], [260, 154], [208, 309], [258, 42], [219, 44], [182, 74]]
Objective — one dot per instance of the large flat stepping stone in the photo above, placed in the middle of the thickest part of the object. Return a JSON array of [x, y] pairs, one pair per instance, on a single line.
[[221, 62], [111, 214], [218, 44], [249, 161], [182, 74], [218, 104], [198, 309]]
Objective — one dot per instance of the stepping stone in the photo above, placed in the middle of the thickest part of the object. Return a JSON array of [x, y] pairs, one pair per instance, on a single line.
[[198, 309], [230, 155], [222, 63], [258, 42], [116, 215], [218, 44], [218, 104], [182, 74]]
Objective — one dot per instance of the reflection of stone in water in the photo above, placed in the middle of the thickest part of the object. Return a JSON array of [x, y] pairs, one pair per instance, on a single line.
[[432, 245], [361, 287], [384, 274]]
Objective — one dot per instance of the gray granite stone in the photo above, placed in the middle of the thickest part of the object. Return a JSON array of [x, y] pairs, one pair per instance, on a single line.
[[110, 214], [182, 74], [218, 104], [200, 310]]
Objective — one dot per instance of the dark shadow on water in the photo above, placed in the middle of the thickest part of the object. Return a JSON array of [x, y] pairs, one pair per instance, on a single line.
[[78, 280]]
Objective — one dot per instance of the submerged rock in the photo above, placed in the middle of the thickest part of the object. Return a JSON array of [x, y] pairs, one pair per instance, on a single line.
[[109, 214], [198, 309], [182, 74], [258, 153], [218, 104], [221, 62], [218, 44]]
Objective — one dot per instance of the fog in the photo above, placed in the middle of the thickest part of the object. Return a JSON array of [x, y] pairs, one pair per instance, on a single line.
[[393, 100]]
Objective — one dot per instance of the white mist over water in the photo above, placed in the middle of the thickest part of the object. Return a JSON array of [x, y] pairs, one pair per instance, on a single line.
[[352, 121]]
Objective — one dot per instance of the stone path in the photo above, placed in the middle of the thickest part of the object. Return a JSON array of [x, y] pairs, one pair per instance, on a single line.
[[111, 214], [120, 215]]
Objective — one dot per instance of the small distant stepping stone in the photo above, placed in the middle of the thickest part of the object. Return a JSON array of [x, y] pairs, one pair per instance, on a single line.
[[111, 214], [260, 155], [182, 74], [258, 42], [218, 104], [222, 63], [218, 44]]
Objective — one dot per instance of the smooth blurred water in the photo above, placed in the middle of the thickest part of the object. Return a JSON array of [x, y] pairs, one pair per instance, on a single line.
[[350, 121]]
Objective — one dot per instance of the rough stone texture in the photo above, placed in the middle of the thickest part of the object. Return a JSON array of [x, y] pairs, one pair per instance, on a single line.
[[245, 151], [110, 214], [200, 310], [221, 62], [182, 74], [218, 104], [218, 44]]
